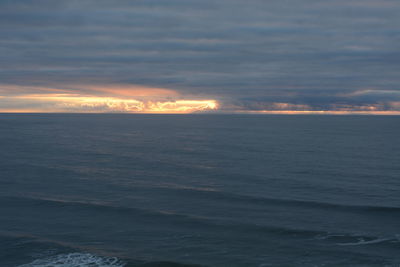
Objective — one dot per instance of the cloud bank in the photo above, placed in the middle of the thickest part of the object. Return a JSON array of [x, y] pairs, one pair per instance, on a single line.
[[247, 56]]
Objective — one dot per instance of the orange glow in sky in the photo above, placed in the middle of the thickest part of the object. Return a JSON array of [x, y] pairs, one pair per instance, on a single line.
[[98, 104], [140, 99]]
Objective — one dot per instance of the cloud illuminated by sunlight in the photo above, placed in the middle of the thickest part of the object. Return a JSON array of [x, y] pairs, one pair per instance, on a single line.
[[98, 104], [379, 108], [114, 90], [134, 91]]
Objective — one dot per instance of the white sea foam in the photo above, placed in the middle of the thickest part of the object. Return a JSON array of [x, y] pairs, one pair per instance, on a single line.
[[367, 242], [76, 260]]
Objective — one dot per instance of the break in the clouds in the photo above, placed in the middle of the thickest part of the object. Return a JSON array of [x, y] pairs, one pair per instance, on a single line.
[[203, 55]]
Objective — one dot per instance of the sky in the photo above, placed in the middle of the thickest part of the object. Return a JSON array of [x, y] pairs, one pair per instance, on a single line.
[[185, 56]]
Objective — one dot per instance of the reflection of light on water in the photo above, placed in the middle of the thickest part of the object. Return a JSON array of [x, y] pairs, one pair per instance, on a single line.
[[77, 103]]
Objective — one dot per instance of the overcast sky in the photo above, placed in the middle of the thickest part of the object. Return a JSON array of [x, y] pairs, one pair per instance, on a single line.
[[248, 55]]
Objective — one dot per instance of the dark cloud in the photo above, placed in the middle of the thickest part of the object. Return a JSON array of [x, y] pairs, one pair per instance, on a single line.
[[246, 54]]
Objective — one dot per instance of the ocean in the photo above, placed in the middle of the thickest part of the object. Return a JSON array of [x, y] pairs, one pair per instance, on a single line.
[[199, 190]]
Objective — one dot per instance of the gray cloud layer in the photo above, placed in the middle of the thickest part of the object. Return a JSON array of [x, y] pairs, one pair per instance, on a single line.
[[245, 53]]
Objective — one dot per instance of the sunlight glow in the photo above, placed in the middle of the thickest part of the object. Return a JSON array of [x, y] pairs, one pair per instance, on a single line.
[[95, 104]]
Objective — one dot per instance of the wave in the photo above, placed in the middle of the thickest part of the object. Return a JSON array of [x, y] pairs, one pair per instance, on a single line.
[[232, 198], [90, 206], [212, 224], [357, 240], [76, 260], [90, 260], [214, 194], [219, 195], [368, 242], [96, 206], [27, 250], [157, 214]]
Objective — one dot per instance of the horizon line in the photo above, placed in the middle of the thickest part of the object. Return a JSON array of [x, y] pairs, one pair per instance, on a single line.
[[288, 113]]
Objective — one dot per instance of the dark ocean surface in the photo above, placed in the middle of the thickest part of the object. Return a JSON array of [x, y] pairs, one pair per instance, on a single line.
[[211, 190]]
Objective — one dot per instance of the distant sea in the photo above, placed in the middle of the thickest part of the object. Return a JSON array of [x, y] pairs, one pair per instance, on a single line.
[[208, 190]]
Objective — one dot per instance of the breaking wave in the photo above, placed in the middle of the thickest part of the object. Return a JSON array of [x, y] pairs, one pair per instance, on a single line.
[[76, 260]]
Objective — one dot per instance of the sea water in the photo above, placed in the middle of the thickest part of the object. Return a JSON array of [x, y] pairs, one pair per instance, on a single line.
[[209, 190]]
